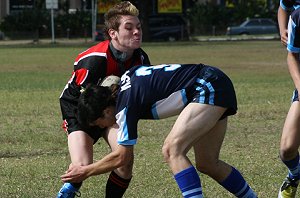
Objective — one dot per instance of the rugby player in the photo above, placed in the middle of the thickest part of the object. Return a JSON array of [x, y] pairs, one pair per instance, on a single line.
[[113, 56], [202, 96], [289, 25]]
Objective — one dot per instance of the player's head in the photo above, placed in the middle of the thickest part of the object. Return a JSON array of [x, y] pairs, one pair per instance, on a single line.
[[123, 25], [96, 106]]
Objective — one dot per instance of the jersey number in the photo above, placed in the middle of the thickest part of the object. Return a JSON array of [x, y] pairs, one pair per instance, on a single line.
[[145, 71]]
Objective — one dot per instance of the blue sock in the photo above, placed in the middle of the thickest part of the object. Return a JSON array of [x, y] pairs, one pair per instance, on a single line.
[[189, 183], [294, 167], [236, 184]]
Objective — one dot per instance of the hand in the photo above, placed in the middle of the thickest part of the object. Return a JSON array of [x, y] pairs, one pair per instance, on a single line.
[[75, 174], [284, 37]]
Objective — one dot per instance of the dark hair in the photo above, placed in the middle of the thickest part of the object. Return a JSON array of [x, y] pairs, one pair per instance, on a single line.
[[92, 102]]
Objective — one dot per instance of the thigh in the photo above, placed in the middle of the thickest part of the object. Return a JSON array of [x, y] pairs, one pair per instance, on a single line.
[[80, 148], [291, 131], [193, 123]]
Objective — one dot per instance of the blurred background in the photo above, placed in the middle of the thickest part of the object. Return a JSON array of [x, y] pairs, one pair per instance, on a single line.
[[166, 20]]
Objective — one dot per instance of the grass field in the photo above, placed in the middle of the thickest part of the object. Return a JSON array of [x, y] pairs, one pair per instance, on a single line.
[[33, 147]]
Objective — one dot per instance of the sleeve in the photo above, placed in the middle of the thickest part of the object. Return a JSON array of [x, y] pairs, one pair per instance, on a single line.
[[287, 5], [127, 116], [127, 122]]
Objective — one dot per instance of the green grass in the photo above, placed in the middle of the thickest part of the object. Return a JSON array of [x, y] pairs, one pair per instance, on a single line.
[[33, 147]]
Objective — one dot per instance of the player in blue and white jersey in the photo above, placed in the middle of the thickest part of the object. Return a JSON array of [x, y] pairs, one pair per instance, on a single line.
[[202, 96], [289, 25], [285, 9]]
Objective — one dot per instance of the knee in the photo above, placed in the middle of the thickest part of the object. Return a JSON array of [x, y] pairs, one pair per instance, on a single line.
[[170, 150]]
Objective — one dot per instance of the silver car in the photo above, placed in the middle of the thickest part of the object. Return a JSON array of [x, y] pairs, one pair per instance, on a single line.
[[254, 26]]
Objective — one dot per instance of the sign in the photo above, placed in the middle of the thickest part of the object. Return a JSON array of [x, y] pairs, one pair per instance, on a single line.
[[104, 6], [169, 6], [51, 4], [20, 4]]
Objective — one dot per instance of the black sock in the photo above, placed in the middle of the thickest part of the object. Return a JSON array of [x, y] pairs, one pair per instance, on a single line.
[[77, 185], [116, 186]]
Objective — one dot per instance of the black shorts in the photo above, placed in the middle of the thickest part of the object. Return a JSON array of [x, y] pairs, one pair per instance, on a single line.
[[71, 125]]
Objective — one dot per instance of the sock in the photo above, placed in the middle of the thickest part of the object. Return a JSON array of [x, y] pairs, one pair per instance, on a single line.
[[77, 185], [294, 167], [236, 184], [189, 183], [116, 186]]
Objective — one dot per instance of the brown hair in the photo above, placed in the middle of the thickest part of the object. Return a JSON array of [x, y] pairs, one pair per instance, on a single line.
[[113, 15]]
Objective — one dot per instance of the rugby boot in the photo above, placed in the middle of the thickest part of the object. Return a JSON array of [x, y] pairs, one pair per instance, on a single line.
[[68, 191], [288, 188]]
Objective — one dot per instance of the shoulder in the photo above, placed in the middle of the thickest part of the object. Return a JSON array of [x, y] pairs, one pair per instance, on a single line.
[[93, 57], [99, 50]]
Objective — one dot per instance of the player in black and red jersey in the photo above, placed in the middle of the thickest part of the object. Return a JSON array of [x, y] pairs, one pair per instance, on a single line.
[[111, 57], [202, 96]]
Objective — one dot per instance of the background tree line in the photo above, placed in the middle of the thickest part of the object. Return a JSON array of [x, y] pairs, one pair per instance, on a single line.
[[202, 18]]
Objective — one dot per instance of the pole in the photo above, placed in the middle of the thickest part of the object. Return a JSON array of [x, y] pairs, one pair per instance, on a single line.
[[94, 19], [52, 24]]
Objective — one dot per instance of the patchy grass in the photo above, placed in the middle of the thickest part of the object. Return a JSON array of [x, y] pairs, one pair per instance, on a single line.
[[33, 147]]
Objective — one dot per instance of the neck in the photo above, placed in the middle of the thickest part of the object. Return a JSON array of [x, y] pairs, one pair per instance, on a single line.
[[119, 53]]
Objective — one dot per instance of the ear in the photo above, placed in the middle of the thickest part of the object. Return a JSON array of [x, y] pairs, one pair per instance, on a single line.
[[108, 111], [112, 33]]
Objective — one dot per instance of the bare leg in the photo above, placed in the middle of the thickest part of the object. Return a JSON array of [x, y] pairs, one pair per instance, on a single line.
[[120, 178], [290, 138]]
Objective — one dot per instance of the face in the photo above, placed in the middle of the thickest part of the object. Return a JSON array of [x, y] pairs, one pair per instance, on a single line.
[[129, 35], [107, 120]]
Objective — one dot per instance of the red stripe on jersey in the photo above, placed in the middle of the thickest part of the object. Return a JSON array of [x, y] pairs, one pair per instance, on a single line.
[[81, 75], [99, 48]]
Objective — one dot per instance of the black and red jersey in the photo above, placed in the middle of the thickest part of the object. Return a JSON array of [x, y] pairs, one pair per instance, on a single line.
[[90, 67]]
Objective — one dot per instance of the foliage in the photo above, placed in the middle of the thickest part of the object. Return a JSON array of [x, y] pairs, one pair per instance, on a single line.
[[204, 17], [25, 21]]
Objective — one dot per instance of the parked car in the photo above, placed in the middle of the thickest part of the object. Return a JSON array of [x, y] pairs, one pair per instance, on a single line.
[[167, 28], [254, 26]]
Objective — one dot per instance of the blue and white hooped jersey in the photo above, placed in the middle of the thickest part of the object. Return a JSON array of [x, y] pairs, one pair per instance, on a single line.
[[290, 5], [162, 91]]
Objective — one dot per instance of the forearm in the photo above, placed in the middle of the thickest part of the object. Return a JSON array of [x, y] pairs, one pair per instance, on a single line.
[[294, 68], [282, 17], [110, 162]]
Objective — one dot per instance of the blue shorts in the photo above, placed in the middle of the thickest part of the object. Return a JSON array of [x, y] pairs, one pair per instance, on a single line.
[[215, 88], [295, 96], [293, 44]]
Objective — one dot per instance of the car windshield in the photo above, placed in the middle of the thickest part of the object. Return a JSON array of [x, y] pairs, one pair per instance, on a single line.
[[250, 23]]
